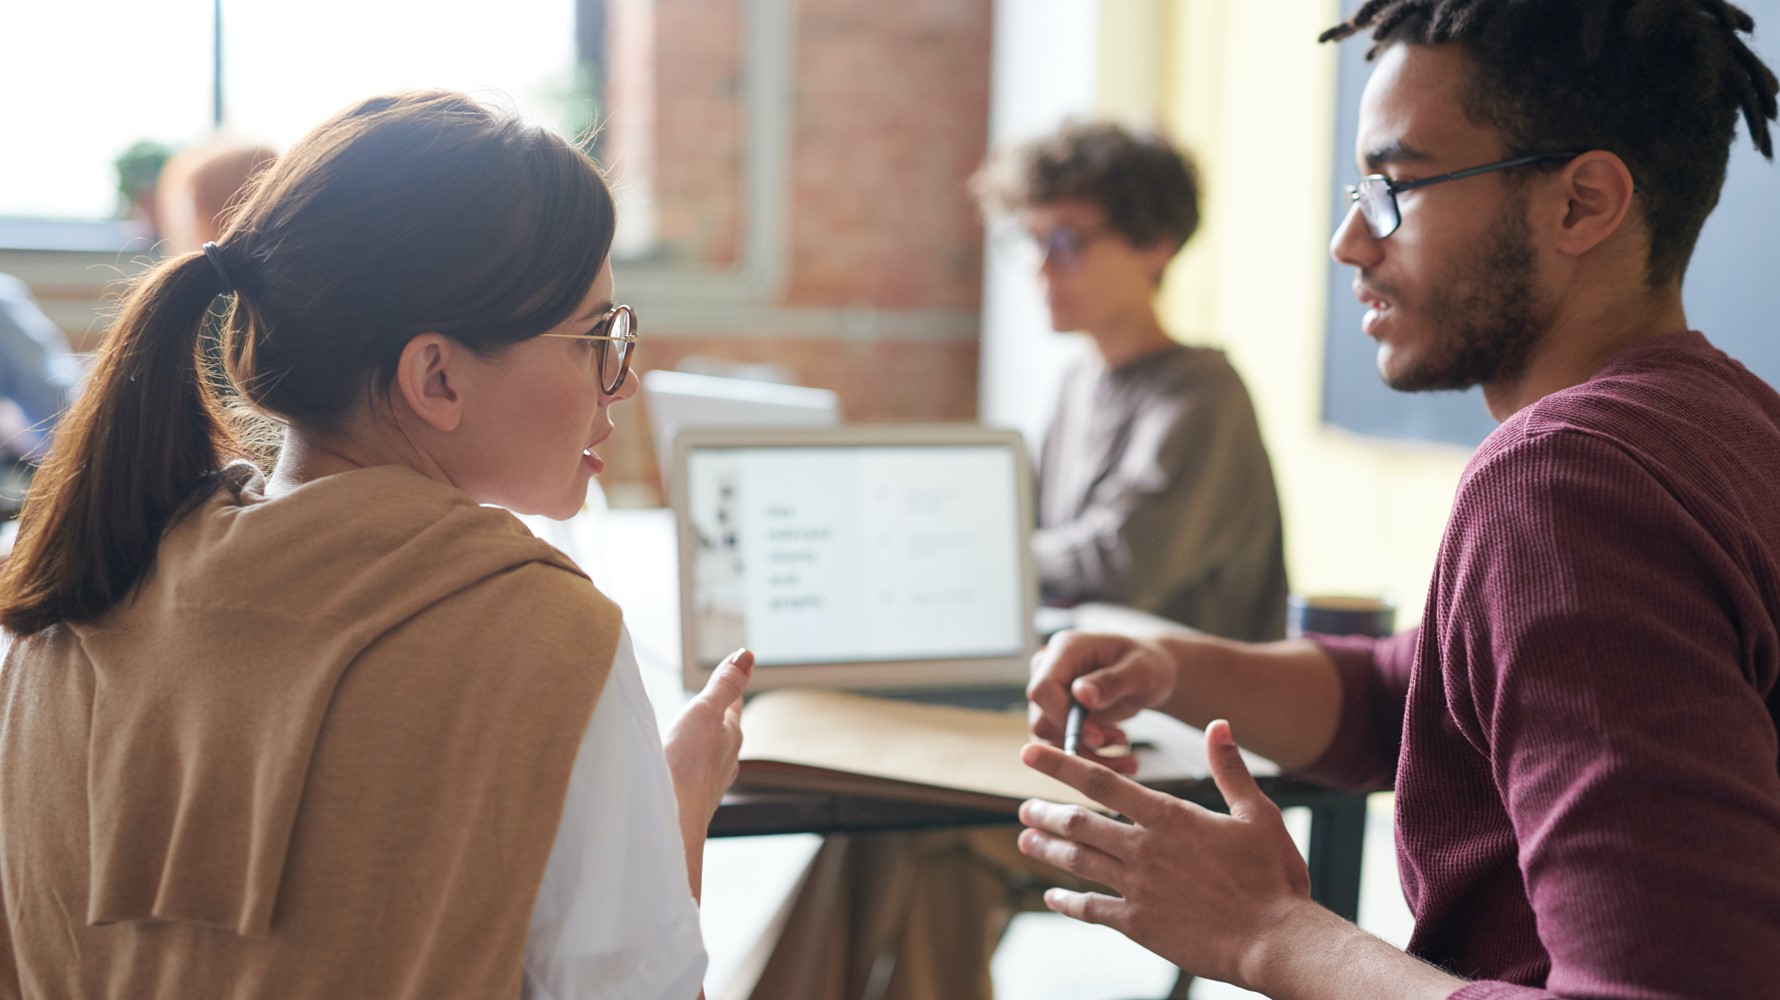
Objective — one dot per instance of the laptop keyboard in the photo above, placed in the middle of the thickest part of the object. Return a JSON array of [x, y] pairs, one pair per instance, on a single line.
[[996, 699]]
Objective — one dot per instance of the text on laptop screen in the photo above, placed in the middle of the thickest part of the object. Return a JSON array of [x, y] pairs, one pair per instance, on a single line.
[[862, 553]]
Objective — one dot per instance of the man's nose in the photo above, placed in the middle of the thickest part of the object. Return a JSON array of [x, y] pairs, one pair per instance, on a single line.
[[1352, 243]]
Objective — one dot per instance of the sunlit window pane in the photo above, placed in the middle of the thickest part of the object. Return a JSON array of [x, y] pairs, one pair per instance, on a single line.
[[81, 81], [288, 66]]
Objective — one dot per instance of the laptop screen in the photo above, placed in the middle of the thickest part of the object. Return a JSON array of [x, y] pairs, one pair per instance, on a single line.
[[680, 401], [817, 551]]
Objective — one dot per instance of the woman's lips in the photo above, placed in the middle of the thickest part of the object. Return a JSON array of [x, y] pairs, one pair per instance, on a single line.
[[591, 458]]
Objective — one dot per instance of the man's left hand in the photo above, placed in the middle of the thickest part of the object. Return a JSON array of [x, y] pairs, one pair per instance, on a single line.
[[1199, 888]]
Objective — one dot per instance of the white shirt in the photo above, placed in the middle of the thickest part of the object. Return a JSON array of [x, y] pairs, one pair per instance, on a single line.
[[615, 918]]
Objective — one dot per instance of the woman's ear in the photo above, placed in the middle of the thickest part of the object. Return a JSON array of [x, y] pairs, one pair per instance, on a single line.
[[431, 377]]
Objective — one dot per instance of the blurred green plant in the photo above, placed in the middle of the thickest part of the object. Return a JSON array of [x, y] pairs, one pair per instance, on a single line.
[[576, 103], [137, 170]]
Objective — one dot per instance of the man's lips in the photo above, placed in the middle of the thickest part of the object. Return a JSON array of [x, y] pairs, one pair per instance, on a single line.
[[1370, 299], [1377, 308]]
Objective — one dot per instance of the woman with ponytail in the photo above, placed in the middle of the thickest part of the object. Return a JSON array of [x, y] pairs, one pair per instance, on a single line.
[[334, 728]]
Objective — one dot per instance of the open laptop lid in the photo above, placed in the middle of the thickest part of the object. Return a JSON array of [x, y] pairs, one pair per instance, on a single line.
[[891, 557], [679, 401]]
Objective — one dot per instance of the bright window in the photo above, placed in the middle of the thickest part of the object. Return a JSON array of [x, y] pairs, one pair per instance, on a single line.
[[83, 81]]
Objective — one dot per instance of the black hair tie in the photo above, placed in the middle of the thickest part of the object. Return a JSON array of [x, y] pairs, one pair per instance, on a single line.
[[213, 253]]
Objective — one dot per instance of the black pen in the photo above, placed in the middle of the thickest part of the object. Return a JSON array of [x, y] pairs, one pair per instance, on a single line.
[[1072, 727]]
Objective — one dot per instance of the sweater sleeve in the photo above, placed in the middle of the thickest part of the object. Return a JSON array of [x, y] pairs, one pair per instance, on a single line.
[[1172, 509], [1374, 689], [1602, 651]]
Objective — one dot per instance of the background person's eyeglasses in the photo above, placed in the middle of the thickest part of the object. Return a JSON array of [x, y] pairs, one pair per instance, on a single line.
[[1061, 246], [1376, 194], [616, 335]]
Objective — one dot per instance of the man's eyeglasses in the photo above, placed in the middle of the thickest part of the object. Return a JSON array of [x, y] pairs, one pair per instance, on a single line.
[[1376, 194], [617, 327], [1061, 246]]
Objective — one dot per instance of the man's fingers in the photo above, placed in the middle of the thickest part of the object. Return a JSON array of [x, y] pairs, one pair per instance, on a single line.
[[1110, 746], [1106, 736], [1077, 824], [1048, 691], [1088, 907], [1097, 782], [1103, 672], [1115, 691], [1231, 775], [1075, 858], [1094, 739], [1044, 724], [1070, 655], [1126, 766]]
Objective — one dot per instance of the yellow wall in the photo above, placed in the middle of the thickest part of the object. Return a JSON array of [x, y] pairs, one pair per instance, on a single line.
[[1246, 87]]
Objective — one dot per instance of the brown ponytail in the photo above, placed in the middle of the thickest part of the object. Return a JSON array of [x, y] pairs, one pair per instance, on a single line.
[[425, 211], [144, 435]]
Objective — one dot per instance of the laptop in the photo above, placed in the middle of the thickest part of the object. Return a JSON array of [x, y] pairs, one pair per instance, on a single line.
[[679, 401], [889, 559]]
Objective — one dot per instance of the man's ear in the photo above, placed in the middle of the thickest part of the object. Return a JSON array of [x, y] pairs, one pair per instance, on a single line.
[[430, 378], [1156, 255], [1598, 192]]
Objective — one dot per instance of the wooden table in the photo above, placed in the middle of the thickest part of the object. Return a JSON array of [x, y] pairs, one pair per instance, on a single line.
[[630, 554], [1337, 825]]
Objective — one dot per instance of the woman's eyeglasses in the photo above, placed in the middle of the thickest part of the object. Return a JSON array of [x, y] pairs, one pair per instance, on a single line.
[[617, 327]]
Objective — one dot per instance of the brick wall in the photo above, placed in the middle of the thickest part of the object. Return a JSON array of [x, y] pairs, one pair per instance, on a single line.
[[882, 247], [888, 118], [698, 117], [892, 118]]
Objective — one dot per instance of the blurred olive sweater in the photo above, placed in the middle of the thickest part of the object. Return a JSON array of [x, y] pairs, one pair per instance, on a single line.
[[1155, 492]]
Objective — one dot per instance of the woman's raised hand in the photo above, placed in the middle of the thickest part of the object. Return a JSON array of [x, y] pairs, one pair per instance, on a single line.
[[704, 742]]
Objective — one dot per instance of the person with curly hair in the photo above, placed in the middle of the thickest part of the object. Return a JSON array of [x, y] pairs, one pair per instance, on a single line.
[[1154, 491], [1154, 487]]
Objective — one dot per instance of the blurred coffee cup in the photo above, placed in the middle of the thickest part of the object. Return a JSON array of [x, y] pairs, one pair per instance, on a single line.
[[1337, 614]]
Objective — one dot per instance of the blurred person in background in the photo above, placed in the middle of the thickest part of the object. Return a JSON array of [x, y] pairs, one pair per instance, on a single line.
[[37, 372], [1154, 488], [200, 188], [1155, 492]]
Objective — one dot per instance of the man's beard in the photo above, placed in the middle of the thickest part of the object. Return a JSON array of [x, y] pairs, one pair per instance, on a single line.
[[1484, 317]]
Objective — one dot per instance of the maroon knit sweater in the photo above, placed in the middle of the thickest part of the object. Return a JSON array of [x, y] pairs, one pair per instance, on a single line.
[[1582, 731]]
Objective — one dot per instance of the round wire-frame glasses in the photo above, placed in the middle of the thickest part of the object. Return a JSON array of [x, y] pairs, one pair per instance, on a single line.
[[617, 327], [1376, 194], [1064, 246]]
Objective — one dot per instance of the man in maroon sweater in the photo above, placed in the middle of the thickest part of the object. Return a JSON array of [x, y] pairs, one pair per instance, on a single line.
[[1582, 731]]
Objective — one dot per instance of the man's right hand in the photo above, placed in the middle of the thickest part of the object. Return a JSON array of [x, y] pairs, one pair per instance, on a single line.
[[1113, 676]]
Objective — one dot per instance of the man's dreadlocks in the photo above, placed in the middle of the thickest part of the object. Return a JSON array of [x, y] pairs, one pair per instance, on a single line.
[[1657, 82]]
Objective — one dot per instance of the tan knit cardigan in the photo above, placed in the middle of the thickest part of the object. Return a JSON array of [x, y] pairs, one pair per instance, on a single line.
[[322, 752]]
